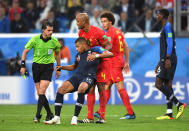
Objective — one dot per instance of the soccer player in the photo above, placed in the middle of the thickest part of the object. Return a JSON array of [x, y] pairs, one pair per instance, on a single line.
[[46, 50], [166, 67], [116, 64], [97, 38], [83, 80]]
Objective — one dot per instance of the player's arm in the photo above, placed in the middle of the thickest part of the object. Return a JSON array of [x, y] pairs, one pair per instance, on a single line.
[[107, 45], [126, 53], [169, 41], [100, 53], [23, 64], [57, 58], [68, 67]]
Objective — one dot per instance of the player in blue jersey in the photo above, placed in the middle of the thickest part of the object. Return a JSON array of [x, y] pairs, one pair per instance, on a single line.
[[87, 61], [166, 67]]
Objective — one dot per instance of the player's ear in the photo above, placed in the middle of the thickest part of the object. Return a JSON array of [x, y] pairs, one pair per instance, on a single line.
[[88, 42]]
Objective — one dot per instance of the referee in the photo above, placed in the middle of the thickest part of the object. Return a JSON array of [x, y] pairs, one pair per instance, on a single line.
[[46, 50]]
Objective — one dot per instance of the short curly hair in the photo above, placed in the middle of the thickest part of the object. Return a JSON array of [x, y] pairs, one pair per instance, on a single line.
[[109, 15]]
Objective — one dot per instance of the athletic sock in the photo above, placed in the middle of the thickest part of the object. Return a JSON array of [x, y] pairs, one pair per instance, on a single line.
[[58, 103], [39, 105], [102, 103], [90, 105], [79, 103], [107, 94], [169, 94], [125, 100], [47, 107], [169, 104]]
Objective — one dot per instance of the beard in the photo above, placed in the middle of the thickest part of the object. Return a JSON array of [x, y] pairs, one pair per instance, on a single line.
[[81, 27]]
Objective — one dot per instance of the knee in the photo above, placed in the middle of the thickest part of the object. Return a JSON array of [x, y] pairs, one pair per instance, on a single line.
[[158, 85], [41, 91], [81, 90]]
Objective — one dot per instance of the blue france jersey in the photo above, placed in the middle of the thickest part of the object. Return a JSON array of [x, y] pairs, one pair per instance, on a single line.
[[88, 68], [167, 42]]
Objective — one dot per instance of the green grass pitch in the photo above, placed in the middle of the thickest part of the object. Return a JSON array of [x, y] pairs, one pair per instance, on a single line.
[[20, 118]]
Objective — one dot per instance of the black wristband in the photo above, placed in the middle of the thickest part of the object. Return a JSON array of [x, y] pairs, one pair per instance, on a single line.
[[59, 69], [23, 64]]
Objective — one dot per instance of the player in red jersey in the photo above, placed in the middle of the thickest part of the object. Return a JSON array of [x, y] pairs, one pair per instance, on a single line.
[[119, 48], [96, 37]]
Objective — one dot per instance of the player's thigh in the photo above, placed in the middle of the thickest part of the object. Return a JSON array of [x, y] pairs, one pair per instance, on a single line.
[[66, 87], [89, 81], [101, 86], [116, 74], [83, 87], [119, 85]]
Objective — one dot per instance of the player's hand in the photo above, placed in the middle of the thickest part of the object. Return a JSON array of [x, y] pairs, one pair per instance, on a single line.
[[126, 68], [168, 64], [156, 68], [58, 71], [91, 57], [22, 71], [57, 68]]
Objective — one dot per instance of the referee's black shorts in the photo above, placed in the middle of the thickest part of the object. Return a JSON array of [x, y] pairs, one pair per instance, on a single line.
[[42, 71]]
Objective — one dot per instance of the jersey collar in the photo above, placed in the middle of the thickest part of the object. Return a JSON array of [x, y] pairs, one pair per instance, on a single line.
[[45, 40]]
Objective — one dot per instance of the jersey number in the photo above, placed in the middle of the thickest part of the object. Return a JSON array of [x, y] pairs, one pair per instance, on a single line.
[[121, 43]]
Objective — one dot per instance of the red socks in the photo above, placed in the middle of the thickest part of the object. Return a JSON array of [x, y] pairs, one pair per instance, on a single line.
[[103, 102], [125, 100], [90, 105]]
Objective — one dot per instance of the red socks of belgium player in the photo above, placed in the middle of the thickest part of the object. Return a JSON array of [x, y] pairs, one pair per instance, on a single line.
[[90, 105], [125, 99], [103, 103]]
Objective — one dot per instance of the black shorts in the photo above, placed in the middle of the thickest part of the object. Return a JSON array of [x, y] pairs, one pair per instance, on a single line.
[[76, 80], [164, 73], [42, 72]]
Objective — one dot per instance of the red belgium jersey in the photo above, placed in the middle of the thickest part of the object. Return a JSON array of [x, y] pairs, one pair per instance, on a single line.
[[95, 36], [116, 39]]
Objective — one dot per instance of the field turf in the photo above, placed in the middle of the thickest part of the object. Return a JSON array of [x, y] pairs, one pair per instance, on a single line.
[[20, 118]]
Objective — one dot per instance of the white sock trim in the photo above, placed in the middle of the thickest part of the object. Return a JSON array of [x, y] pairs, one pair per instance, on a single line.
[[169, 111]]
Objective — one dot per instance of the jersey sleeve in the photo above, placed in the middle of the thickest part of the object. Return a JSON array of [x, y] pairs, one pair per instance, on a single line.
[[169, 38], [30, 43], [57, 49], [98, 49], [80, 33], [101, 36]]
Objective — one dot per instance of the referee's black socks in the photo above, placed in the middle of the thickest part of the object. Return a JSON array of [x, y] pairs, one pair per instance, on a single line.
[[39, 105], [58, 103], [79, 103]]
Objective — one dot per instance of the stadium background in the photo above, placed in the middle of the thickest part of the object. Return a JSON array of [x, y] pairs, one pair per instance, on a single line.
[[144, 50]]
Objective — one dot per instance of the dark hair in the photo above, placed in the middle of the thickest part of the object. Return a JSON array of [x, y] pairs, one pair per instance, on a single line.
[[164, 12], [46, 23], [61, 39], [109, 15], [82, 40]]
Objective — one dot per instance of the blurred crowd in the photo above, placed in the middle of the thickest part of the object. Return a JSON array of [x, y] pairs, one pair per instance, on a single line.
[[23, 16]]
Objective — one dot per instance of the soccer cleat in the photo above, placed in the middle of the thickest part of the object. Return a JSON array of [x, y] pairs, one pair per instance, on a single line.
[[86, 120], [128, 116], [48, 118], [74, 120], [165, 117], [54, 120], [180, 110], [36, 119], [96, 114], [100, 121]]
